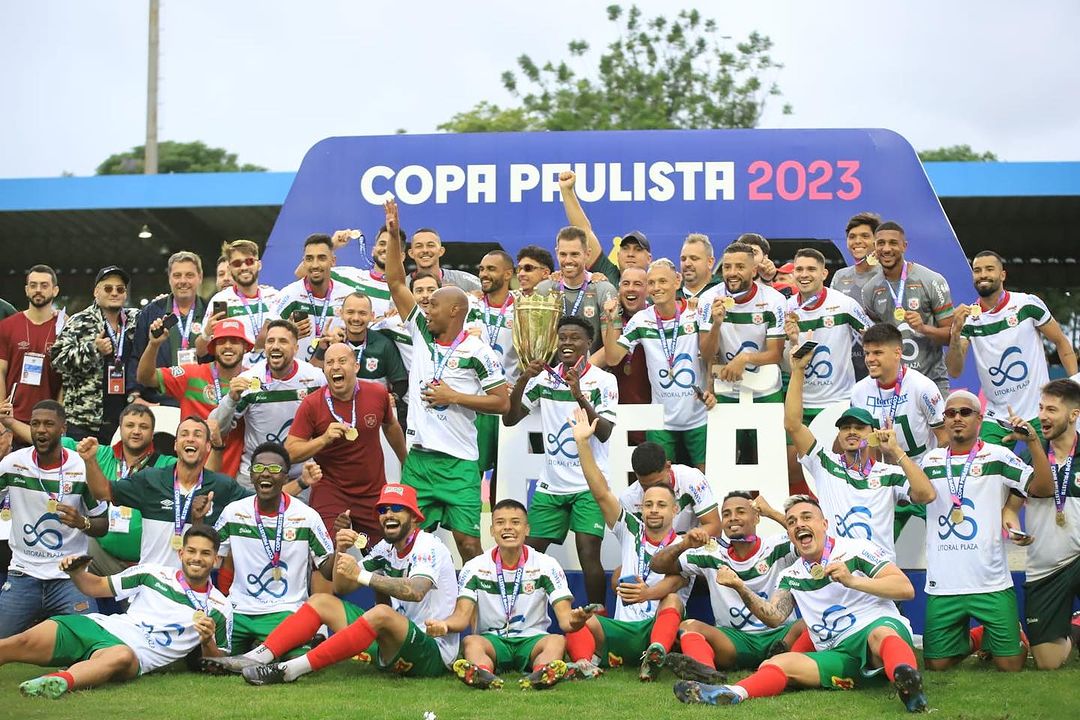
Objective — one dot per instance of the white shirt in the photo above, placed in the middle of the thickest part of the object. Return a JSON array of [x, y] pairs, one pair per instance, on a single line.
[[747, 324], [918, 409], [542, 582], [836, 322], [692, 491]]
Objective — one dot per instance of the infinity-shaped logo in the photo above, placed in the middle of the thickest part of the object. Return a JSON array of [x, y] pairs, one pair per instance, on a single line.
[[684, 376], [164, 636], [848, 529], [281, 434], [741, 616], [833, 623], [944, 521], [820, 367], [50, 538], [262, 582], [1005, 371], [557, 444], [748, 345]]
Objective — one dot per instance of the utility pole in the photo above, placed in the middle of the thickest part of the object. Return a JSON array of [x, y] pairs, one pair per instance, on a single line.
[[150, 158]]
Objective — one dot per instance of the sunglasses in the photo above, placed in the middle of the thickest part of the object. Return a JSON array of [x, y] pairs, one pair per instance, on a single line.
[[273, 469], [118, 289], [962, 412], [383, 509], [528, 268], [244, 262]]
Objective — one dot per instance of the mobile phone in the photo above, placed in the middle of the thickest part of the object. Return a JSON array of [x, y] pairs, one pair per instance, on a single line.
[[593, 608], [79, 563], [220, 307], [1018, 534], [628, 579], [166, 322], [805, 349], [1018, 429], [299, 316]]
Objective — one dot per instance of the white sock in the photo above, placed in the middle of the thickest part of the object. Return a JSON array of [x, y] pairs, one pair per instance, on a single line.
[[296, 667], [739, 690], [261, 654]]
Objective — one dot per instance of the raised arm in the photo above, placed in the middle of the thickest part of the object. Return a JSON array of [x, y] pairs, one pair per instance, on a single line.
[[395, 264], [575, 215], [889, 582], [88, 584], [921, 490], [801, 437], [667, 560], [99, 486], [958, 344], [583, 431], [146, 373], [517, 412]]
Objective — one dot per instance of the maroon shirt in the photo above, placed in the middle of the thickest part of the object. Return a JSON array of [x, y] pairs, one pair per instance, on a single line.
[[19, 336], [633, 379]]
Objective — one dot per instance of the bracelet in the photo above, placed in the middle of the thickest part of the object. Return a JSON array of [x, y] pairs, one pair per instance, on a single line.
[[301, 484], [216, 447], [86, 523], [364, 578]]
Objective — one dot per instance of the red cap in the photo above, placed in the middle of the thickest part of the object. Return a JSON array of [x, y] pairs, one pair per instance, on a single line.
[[229, 328], [398, 494], [787, 268]]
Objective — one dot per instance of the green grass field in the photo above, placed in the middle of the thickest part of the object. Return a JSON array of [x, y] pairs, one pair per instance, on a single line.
[[356, 691]]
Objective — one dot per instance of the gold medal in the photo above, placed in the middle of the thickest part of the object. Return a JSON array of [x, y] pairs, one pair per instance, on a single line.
[[5, 515], [975, 311], [728, 302], [817, 571], [351, 434], [956, 515], [898, 314], [871, 259], [711, 545], [872, 440], [177, 542], [51, 505], [355, 234], [277, 573], [361, 541], [1059, 518], [199, 615], [256, 384]]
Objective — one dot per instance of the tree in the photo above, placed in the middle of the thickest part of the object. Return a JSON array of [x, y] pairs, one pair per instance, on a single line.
[[176, 157], [956, 153], [657, 74]]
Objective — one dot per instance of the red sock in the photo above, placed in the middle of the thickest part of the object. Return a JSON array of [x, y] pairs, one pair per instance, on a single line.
[[769, 680], [894, 651], [225, 580], [696, 646], [489, 668], [803, 643], [580, 645], [665, 627], [67, 677], [354, 639], [294, 631], [976, 635]]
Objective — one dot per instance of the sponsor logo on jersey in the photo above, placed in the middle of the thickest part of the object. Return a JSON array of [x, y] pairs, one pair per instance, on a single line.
[[176, 371]]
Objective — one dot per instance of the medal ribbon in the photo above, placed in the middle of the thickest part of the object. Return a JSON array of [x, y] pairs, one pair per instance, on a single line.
[[580, 297], [59, 496], [185, 327], [122, 470], [321, 323], [204, 606], [1062, 487], [825, 553], [441, 360], [894, 404], [180, 514], [508, 603], [493, 330], [274, 554], [812, 301], [669, 351], [643, 569], [898, 295], [956, 492], [117, 338], [330, 405], [256, 324], [559, 375], [217, 381], [863, 469]]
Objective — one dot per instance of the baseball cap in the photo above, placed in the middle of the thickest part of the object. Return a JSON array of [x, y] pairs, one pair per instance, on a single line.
[[398, 494], [859, 415], [637, 237], [787, 268], [229, 328], [112, 270]]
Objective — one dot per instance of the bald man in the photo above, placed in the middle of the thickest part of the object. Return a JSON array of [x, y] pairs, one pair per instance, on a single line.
[[454, 376]]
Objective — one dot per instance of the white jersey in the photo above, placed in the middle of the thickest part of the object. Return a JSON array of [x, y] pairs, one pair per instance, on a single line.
[[915, 413], [1055, 546], [969, 556], [539, 582], [38, 539], [1009, 354], [394, 328], [370, 282], [747, 324], [562, 470], [837, 322], [322, 311], [692, 490], [159, 623], [304, 539], [252, 313], [673, 361], [832, 612], [859, 506], [496, 326], [760, 571], [636, 551], [269, 411], [431, 559], [471, 368]]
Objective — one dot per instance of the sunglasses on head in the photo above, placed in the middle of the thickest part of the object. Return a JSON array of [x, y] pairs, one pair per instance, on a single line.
[[962, 412], [383, 509], [272, 468], [118, 289], [241, 262]]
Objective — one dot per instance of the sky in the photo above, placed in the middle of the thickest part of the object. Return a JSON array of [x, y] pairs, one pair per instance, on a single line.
[[267, 79]]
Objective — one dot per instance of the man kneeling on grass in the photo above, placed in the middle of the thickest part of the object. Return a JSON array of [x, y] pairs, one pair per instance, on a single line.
[[410, 565], [509, 589], [845, 590], [171, 613]]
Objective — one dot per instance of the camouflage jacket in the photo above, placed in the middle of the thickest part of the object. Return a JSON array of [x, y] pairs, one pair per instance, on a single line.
[[82, 367]]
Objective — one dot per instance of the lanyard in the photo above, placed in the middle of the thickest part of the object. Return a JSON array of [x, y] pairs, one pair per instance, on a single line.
[[59, 496], [180, 513], [359, 350], [559, 375], [1062, 487], [493, 330], [813, 301], [441, 360], [580, 297], [894, 402], [864, 468], [117, 338], [825, 553], [320, 323], [217, 382], [956, 492], [204, 605], [898, 295], [185, 327], [122, 470], [508, 603], [330, 405], [669, 351], [273, 553], [643, 569], [254, 320]]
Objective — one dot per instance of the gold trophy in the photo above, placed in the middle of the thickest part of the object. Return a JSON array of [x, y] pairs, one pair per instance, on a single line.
[[536, 325]]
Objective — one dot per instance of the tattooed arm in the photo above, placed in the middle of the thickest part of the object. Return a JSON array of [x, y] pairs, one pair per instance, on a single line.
[[773, 612], [348, 576]]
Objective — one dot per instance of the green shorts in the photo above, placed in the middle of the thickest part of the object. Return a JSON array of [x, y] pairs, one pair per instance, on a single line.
[[751, 648], [251, 630], [948, 622], [447, 490], [77, 638], [681, 446], [1048, 604], [418, 656], [552, 516], [848, 663], [994, 434], [513, 653], [487, 440], [624, 640]]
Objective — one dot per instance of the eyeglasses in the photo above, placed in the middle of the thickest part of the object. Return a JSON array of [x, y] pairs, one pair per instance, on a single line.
[[383, 509], [273, 469], [118, 289], [242, 262], [962, 412], [528, 268]]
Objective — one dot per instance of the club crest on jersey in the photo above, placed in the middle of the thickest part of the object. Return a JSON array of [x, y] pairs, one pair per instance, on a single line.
[[371, 421], [453, 363], [913, 303], [762, 567], [301, 393], [371, 364], [289, 534], [1012, 321], [196, 328], [176, 371], [758, 318], [688, 329], [66, 487], [976, 469], [828, 321], [528, 587], [209, 395], [589, 311], [873, 483]]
